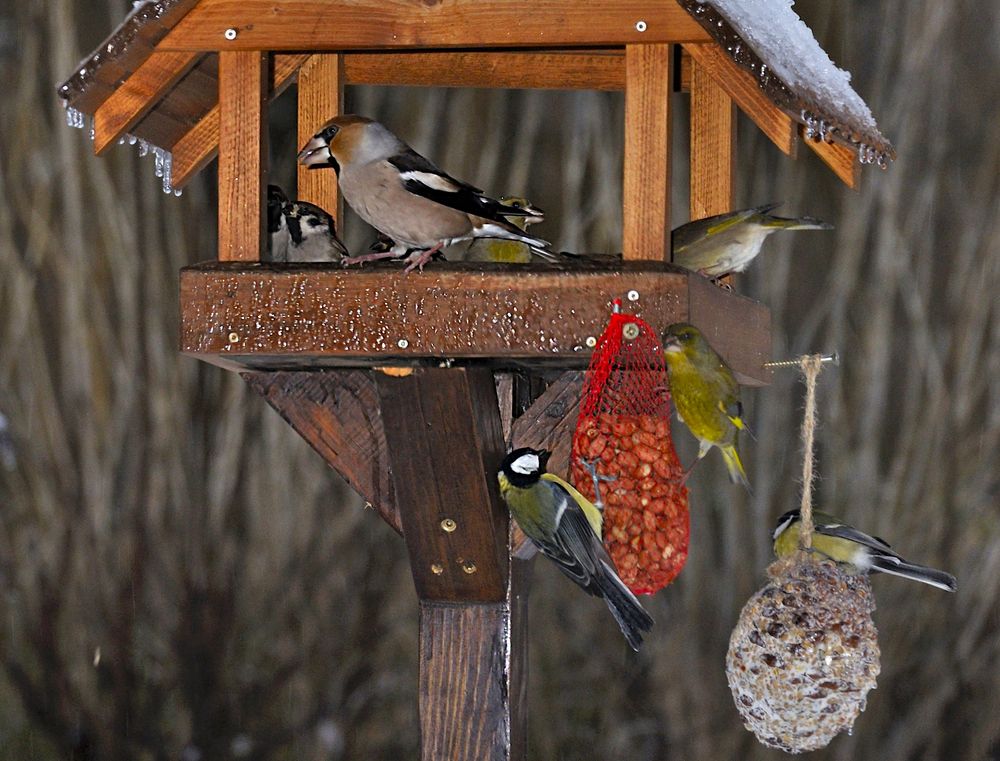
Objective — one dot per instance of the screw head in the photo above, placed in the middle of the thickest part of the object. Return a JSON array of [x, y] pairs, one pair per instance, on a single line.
[[630, 331], [437, 569], [230, 33], [640, 26], [591, 342], [448, 525], [402, 343], [234, 337], [469, 567], [632, 295]]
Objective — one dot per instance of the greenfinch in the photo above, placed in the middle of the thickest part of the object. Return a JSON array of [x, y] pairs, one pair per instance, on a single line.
[[706, 395], [716, 246], [848, 545], [510, 251], [566, 528]]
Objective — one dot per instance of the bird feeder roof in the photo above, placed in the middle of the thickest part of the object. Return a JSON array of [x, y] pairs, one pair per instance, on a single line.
[[155, 79]]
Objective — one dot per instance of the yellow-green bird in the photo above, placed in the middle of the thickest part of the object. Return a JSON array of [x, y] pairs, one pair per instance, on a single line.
[[716, 246], [706, 395], [566, 528], [848, 545], [511, 251]]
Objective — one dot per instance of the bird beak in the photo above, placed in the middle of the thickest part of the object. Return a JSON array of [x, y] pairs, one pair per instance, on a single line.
[[671, 344], [543, 458], [315, 153]]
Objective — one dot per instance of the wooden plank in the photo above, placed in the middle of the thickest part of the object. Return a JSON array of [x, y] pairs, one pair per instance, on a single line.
[[741, 87], [138, 94], [243, 155], [321, 97], [337, 412], [271, 317], [367, 24], [713, 146], [646, 189], [472, 701], [551, 69], [445, 445], [743, 332], [841, 159], [550, 421], [200, 145]]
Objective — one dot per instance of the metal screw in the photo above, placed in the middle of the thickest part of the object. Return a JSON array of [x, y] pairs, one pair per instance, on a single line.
[[632, 295], [469, 567], [630, 331], [230, 33], [591, 342], [834, 358], [448, 525], [437, 569], [234, 337], [640, 26], [402, 343]]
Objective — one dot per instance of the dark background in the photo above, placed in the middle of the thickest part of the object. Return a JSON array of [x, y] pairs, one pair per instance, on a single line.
[[183, 578]]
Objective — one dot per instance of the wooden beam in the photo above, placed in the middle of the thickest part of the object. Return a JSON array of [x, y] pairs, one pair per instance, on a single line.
[[271, 317], [321, 97], [646, 189], [741, 87], [243, 155], [551, 69], [713, 146], [336, 412], [445, 445], [841, 159], [138, 94], [200, 145], [367, 24], [550, 421]]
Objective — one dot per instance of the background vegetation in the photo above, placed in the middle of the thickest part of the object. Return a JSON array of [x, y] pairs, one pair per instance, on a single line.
[[182, 577]]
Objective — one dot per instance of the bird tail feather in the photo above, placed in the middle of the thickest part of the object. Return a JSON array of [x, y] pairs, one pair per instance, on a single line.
[[896, 567], [735, 467], [632, 618]]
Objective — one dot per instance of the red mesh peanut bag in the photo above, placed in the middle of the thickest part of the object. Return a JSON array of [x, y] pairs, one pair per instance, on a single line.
[[624, 426]]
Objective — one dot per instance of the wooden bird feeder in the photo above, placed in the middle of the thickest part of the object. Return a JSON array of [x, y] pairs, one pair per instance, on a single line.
[[194, 77]]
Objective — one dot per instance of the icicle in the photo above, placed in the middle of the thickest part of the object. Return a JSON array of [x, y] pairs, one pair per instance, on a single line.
[[92, 131], [157, 161], [132, 139], [143, 147], [168, 167]]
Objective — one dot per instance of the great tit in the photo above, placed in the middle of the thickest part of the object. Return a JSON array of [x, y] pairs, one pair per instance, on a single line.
[[706, 395], [847, 545], [726, 243], [566, 528]]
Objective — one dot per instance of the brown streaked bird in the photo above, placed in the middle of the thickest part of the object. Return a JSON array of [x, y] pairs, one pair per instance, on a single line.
[[403, 195]]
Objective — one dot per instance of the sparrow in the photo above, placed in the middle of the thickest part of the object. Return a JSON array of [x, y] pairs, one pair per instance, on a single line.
[[716, 246], [312, 234], [403, 195]]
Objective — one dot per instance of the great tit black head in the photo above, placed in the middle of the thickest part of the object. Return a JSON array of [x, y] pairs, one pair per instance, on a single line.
[[523, 467]]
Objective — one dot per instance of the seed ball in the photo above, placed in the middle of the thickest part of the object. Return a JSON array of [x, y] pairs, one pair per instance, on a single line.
[[804, 654]]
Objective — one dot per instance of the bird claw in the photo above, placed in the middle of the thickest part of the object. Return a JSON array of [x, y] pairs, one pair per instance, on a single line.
[[591, 467], [347, 261], [419, 258]]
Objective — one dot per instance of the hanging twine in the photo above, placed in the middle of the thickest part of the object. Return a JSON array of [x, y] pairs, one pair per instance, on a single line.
[[811, 365]]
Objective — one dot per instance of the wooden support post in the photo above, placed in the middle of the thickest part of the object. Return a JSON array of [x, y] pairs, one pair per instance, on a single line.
[[242, 154], [646, 190], [445, 443], [713, 145], [321, 97]]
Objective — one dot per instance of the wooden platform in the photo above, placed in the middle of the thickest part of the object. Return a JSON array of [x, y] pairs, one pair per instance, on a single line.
[[252, 316]]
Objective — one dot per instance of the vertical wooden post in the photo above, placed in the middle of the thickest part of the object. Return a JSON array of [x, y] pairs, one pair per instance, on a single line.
[[242, 154], [646, 189], [713, 145], [321, 97], [445, 443]]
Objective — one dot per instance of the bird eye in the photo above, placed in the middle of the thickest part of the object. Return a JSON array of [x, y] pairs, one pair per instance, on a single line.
[[328, 133]]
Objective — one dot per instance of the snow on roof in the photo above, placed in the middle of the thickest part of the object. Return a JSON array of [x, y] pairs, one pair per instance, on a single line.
[[768, 38]]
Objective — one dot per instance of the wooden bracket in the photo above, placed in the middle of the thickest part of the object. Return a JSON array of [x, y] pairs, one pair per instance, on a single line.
[[321, 97], [713, 145]]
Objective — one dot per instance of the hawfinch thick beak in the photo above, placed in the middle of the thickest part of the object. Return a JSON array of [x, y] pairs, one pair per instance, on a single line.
[[315, 154]]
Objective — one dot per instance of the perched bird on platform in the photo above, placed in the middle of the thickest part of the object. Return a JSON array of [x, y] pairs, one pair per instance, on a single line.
[[706, 395], [716, 246], [312, 234], [848, 545], [566, 528], [403, 195], [277, 230], [511, 251]]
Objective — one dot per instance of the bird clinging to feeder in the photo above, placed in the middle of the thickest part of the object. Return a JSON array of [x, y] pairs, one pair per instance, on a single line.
[[403, 195]]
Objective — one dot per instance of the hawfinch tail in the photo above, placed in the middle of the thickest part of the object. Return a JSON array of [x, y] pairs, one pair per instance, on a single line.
[[403, 195]]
